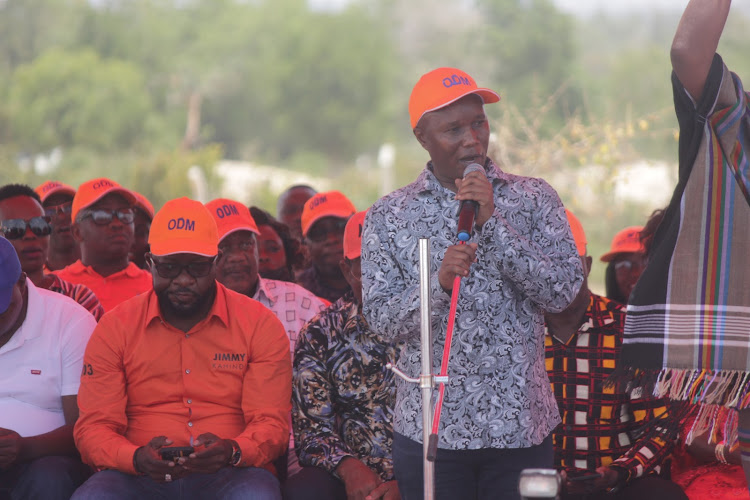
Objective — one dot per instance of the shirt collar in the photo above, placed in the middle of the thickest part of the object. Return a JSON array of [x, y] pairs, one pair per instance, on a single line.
[[131, 271], [428, 182], [587, 322], [218, 310], [263, 291]]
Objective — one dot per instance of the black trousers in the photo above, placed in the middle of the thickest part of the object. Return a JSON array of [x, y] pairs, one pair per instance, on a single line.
[[487, 473]]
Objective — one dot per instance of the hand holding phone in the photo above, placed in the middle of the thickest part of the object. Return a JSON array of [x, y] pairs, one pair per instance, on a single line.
[[175, 452]]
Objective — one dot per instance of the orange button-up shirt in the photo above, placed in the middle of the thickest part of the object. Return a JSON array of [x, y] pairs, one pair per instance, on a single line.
[[113, 289], [229, 375]]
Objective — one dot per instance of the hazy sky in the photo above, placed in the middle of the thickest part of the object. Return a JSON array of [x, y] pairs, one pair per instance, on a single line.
[[588, 6]]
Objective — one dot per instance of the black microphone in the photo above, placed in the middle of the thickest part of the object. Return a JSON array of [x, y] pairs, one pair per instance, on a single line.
[[468, 211]]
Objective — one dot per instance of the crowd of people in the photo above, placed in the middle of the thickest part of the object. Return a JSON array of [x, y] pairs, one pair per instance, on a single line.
[[216, 351]]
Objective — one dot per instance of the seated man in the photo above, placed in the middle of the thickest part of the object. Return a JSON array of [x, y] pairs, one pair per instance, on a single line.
[[57, 200], [609, 445], [343, 397], [42, 338], [188, 364], [237, 269], [323, 220], [103, 216], [23, 223]]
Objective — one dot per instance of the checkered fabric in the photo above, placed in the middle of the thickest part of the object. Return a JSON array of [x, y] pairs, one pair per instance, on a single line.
[[602, 426]]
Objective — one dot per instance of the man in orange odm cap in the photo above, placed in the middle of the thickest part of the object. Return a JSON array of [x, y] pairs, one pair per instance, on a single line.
[[192, 365], [102, 214], [519, 262]]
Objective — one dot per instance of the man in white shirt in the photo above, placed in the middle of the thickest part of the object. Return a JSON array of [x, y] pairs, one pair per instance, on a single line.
[[42, 339]]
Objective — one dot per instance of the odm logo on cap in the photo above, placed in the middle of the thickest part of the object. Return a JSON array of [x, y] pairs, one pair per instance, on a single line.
[[231, 216], [51, 187], [183, 226]]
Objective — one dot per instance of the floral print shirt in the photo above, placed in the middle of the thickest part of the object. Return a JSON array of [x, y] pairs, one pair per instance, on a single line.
[[498, 395], [342, 393]]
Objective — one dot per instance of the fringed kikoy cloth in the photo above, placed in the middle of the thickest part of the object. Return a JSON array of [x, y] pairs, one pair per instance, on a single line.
[[687, 332]]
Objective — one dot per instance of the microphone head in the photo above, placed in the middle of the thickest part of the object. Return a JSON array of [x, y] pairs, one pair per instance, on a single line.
[[474, 167]]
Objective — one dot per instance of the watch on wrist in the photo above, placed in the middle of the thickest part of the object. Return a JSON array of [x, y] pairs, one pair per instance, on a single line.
[[236, 457]]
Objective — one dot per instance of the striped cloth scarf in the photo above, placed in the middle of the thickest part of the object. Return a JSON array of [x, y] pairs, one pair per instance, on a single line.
[[687, 332]]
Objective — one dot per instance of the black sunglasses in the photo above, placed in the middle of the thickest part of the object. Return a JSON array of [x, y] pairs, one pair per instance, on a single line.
[[319, 232], [170, 270], [14, 229], [61, 209], [104, 217]]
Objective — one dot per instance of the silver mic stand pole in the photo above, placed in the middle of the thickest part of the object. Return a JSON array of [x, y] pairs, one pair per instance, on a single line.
[[427, 381]]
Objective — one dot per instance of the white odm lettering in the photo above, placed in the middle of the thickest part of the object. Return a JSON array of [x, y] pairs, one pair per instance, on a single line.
[[186, 224]]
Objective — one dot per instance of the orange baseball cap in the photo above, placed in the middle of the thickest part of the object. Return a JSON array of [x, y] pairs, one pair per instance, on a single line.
[[441, 87], [231, 216], [353, 235], [577, 229], [49, 188], [142, 203], [327, 204], [94, 190], [626, 241], [184, 226]]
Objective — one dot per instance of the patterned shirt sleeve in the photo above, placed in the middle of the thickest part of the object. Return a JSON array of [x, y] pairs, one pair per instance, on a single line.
[[652, 442], [391, 298], [315, 437], [540, 261], [80, 293]]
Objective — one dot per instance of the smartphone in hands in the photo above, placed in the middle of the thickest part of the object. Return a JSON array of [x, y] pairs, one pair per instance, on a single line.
[[175, 452]]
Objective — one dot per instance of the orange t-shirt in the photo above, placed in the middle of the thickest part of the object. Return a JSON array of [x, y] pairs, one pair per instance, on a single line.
[[229, 375], [113, 289]]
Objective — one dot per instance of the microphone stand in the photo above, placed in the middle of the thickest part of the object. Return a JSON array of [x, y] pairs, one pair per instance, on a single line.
[[427, 381]]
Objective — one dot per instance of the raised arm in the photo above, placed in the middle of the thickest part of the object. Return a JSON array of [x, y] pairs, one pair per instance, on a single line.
[[696, 40]]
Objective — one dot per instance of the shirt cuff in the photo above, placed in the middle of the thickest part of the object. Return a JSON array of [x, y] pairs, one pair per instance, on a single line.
[[125, 456]]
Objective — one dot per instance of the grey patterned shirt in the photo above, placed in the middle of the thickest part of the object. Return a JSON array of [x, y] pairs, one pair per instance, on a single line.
[[499, 395]]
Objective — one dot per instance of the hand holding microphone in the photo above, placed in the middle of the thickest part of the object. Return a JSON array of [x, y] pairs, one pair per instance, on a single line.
[[477, 201], [477, 205]]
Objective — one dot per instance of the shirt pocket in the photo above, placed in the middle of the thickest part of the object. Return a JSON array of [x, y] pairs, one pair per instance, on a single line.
[[38, 383]]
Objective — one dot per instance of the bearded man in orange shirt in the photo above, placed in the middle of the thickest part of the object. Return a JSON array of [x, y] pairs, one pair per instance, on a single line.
[[190, 364]]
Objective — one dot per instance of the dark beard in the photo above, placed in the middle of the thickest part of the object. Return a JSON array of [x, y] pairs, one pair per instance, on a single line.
[[205, 300]]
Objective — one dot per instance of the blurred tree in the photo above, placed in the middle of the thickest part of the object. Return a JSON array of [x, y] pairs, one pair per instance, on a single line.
[[65, 99], [529, 46], [164, 175], [28, 28], [308, 81]]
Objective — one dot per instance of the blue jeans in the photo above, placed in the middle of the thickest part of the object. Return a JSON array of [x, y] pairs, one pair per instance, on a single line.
[[228, 483], [314, 483], [486, 473], [46, 478]]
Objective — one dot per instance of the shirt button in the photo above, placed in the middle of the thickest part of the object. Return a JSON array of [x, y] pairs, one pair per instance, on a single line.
[[187, 371], [190, 401], [187, 335], [190, 424]]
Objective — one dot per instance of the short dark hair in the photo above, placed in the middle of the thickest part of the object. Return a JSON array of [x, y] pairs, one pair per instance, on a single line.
[[13, 190], [295, 258]]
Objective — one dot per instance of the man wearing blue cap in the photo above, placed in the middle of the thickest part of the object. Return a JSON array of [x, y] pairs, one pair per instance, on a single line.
[[42, 338]]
